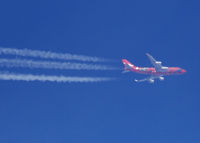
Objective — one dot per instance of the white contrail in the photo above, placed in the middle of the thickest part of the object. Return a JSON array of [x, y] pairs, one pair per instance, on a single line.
[[30, 77], [52, 65], [48, 55]]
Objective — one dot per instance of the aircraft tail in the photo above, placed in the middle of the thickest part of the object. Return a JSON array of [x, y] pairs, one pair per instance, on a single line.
[[127, 65]]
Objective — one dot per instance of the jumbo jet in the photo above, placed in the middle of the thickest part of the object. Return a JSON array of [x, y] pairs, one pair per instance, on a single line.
[[156, 72]]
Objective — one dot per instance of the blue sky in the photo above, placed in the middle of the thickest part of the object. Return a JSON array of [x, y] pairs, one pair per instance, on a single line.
[[116, 111]]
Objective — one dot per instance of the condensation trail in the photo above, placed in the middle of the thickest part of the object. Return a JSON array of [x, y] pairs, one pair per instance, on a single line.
[[49, 55], [43, 78], [52, 65]]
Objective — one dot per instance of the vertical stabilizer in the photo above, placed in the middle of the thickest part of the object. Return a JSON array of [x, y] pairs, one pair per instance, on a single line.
[[127, 65]]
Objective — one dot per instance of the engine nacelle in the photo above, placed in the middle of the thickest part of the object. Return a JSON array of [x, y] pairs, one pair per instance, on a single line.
[[161, 78], [151, 80], [158, 62]]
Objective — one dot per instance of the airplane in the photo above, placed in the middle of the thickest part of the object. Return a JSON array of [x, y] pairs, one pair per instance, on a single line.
[[156, 72]]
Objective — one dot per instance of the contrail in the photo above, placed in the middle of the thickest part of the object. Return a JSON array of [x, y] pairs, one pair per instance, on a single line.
[[43, 78], [49, 55], [52, 65]]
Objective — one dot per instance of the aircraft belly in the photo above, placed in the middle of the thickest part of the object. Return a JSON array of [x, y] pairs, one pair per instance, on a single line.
[[152, 71]]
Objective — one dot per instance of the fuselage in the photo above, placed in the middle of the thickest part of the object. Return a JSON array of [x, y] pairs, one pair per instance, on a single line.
[[152, 71]]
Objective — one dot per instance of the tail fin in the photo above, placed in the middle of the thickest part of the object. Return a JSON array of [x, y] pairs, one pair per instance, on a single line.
[[127, 65]]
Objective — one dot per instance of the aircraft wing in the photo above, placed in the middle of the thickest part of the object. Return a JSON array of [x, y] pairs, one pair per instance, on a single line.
[[157, 64], [150, 79]]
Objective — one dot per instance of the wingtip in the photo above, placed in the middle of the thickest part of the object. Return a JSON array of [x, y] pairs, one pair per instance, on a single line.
[[148, 55]]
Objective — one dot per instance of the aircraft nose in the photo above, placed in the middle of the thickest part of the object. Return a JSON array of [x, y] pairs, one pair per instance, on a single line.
[[184, 71]]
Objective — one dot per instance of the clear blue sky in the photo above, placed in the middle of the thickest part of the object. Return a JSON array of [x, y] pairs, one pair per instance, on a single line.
[[118, 111]]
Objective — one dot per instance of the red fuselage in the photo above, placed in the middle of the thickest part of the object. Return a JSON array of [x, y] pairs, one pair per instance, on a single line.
[[152, 71]]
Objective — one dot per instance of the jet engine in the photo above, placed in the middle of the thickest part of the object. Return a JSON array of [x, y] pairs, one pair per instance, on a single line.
[[161, 78], [151, 80], [158, 62]]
